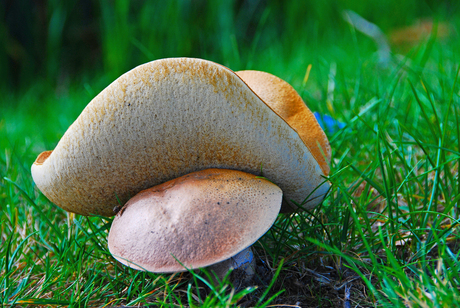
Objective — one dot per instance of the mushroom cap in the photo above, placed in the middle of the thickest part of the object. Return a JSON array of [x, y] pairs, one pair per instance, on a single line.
[[200, 219], [165, 119], [288, 104]]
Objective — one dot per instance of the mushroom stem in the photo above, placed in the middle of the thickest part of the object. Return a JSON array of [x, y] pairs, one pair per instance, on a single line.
[[242, 264]]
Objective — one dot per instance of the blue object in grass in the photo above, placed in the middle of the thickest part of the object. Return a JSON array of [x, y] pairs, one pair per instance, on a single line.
[[328, 123]]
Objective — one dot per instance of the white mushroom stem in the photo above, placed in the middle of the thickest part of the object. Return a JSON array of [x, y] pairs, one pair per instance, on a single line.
[[243, 262]]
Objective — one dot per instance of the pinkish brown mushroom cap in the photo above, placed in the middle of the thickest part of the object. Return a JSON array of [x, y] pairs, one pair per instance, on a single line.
[[198, 219]]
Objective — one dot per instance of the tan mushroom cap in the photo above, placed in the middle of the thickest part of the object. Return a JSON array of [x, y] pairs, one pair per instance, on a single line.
[[199, 219], [288, 104], [165, 119]]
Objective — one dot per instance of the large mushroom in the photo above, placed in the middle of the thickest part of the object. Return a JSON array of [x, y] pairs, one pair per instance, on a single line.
[[169, 118]]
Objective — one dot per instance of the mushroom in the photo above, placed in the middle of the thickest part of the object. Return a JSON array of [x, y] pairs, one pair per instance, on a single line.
[[194, 221], [166, 119]]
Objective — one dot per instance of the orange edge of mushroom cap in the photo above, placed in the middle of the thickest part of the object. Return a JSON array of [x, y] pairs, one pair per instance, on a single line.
[[284, 100]]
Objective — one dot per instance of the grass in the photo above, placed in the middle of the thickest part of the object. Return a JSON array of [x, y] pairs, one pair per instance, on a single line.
[[388, 230]]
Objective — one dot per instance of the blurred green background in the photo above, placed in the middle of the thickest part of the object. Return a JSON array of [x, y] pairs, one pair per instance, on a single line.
[[57, 55], [60, 42]]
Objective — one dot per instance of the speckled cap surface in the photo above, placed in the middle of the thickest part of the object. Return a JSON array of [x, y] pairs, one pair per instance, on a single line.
[[165, 119], [199, 219]]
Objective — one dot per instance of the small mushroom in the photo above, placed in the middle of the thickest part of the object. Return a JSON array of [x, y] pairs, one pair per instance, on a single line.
[[203, 218]]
